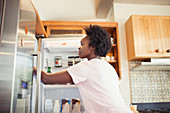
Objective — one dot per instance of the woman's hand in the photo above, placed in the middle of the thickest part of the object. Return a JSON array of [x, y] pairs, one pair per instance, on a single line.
[[43, 74], [44, 77], [34, 71]]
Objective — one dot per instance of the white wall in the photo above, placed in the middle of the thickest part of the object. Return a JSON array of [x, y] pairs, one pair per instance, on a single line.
[[109, 18], [122, 12]]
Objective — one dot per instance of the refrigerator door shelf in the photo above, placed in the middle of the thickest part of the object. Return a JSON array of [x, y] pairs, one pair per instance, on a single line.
[[56, 86], [64, 66]]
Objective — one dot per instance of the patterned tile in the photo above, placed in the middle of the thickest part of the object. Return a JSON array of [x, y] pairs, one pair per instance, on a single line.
[[149, 85]]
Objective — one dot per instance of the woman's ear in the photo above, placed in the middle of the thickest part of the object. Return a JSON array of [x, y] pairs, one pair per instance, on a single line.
[[92, 48]]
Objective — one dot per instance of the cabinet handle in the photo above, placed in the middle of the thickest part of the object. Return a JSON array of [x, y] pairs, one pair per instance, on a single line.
[[168, 50], [26, 30], [157, 50]]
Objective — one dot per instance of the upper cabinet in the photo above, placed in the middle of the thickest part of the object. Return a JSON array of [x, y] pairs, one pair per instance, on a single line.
[[75, 27], [148, 37], [165, 34]]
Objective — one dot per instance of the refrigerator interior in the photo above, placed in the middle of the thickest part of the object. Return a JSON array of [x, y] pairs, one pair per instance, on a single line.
[[63, 48]]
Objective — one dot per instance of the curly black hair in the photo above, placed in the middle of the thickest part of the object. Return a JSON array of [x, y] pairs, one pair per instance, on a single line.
[[99, 38]]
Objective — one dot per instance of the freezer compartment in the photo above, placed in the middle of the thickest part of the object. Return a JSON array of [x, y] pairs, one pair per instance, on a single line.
[[58, 99]]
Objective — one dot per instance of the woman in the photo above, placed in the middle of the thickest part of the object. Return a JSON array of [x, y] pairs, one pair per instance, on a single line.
[[96, 79]]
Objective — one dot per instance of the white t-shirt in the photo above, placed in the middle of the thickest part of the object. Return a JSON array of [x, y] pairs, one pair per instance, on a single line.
[[98, 84]]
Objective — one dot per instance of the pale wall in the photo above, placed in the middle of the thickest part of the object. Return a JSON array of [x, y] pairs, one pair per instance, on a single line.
[[122, 12]]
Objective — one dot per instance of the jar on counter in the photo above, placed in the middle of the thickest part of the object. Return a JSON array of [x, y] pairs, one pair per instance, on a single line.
[[70, 60], [77, 59], [58, 61]]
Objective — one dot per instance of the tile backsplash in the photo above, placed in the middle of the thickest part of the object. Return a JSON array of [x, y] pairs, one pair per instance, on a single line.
[[149, 85]]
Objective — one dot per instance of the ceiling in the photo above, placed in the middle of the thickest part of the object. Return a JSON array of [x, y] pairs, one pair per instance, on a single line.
[[77, 10], [63, 10]]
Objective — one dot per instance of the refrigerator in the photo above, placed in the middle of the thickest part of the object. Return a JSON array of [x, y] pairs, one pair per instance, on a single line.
[[59, 52], [19, 89]]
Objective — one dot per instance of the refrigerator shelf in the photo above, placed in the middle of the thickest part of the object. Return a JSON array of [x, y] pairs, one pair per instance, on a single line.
[[56, 86], [63, 66], [56, 69]]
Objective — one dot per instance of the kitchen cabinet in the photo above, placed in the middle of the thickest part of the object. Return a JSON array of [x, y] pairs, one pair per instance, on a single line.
[[165, 34], [69, 27], [148, 37]]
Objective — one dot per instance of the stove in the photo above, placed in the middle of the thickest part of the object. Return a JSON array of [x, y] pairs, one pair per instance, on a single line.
[[161, 107], [155, 111]]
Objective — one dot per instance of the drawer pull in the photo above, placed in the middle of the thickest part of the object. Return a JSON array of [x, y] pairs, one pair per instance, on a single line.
[[157, 50], [168, 50]]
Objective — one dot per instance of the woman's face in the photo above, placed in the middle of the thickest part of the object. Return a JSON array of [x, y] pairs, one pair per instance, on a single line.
[[84, 50]]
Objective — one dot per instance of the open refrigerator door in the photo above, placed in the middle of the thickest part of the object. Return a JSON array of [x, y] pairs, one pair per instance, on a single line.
[[26, 87], [19, 90]]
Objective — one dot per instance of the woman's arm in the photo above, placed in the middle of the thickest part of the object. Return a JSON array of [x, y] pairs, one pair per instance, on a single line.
[[61, 77]]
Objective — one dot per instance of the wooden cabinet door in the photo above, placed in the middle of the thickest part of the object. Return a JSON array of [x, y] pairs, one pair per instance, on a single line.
[[147, 37], [165, 35]]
